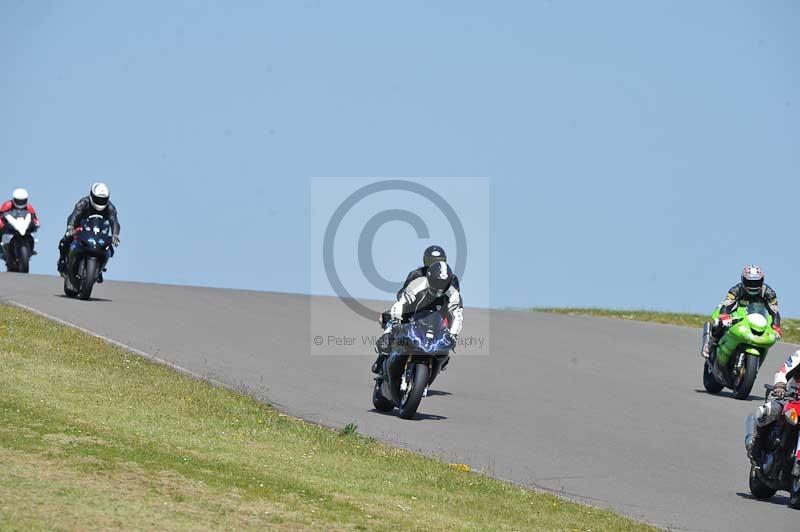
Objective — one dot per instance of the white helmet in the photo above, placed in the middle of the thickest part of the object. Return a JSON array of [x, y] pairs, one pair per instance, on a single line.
[[20, 198], [98, 196]]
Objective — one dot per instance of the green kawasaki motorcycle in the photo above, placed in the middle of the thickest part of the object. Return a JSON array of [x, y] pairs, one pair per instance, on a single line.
[[740, 351]]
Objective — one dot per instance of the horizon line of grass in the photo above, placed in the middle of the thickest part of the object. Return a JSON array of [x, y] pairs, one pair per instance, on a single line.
[[789, 326]]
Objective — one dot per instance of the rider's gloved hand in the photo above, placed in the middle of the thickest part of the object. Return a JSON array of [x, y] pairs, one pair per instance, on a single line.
[[725, 320], [777, 329], [115, 240], [779, 391], [70, 231]]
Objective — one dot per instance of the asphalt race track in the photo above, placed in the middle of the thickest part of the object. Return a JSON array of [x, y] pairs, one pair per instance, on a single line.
[[603, 411]]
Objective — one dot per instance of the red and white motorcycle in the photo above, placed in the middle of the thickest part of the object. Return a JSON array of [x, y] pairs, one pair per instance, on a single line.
[[776, 465], [17, 240]]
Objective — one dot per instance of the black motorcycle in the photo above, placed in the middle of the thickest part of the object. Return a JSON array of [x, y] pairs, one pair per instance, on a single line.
[[419, 349], [777, 461], [88, 255], [17, 240]]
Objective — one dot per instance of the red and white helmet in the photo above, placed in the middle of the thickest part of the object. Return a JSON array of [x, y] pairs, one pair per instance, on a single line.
[[20, 198], [752, 279]]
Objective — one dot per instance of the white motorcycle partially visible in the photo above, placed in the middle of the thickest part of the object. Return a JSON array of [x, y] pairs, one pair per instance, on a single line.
[[17, 241]]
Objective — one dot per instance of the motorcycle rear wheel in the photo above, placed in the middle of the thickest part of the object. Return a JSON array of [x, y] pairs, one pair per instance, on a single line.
[[709, 382], [380, 403], [758, 488], [418, 382], [68, 290]]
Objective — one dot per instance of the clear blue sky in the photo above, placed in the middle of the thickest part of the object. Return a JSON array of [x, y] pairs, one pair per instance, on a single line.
[[639, 152]]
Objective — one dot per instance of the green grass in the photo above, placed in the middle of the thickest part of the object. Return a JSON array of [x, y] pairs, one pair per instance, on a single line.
[[93, 437], [791, 328]]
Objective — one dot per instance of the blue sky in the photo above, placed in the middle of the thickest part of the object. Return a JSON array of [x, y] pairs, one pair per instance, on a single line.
[[639, 153]]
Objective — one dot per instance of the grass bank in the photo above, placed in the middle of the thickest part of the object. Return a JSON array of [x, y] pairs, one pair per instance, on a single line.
[[790, 327], [93, 437]]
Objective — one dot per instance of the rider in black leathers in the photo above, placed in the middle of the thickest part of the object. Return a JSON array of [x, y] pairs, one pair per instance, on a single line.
[[752, 289], [433, 291], [97, 202]]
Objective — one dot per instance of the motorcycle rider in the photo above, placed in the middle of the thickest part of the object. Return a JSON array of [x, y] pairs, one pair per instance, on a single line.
[[97, 202], [434, 290], [751, 289], [430, 255], [19, 200], [769, 411]]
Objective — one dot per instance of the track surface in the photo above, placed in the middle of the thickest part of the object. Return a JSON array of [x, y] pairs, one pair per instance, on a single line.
[[608, 412]]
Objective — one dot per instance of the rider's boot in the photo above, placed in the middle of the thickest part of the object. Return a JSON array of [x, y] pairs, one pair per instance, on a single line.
[[382, 348], [376, 366], [710, 349], [62, 259]]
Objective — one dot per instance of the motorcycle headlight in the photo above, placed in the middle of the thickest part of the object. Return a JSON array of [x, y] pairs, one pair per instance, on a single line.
[[791, 416]]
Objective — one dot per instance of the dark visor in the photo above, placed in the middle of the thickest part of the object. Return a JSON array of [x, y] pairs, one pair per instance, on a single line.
[[100, 201]]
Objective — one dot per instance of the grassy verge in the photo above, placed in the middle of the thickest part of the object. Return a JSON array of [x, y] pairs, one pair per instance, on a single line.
[[92, 437], [791, 328]]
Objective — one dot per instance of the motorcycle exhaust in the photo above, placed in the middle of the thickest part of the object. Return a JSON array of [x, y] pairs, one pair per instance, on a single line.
[[750, 428], [768, 412], [706, 336]]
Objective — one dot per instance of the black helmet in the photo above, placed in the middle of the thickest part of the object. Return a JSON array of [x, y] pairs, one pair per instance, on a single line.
[[433, 254], [439, 278]]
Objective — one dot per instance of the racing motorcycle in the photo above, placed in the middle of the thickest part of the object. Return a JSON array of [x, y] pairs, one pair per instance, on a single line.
[[419, 349], [17, 240], [777, 464], [88, 255], [740, 352]]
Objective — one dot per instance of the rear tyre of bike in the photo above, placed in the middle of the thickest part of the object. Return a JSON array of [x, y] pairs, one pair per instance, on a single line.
[[757, 487], [89, 277], [412, 397], [709, 382], [69, 291], [794, 493], [380, 403], [23, 258], [750, 373]]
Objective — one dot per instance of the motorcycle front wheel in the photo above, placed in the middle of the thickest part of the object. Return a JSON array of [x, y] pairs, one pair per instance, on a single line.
[[751, 363], [89, 277], [417, 378], [23, 258]]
